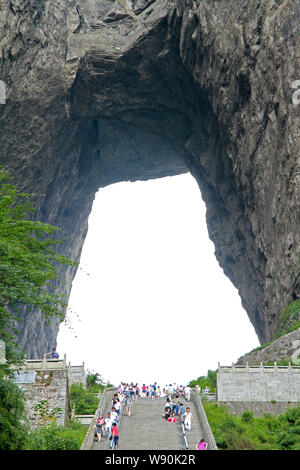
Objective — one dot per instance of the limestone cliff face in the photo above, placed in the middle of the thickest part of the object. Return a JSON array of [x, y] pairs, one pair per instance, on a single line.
[[105, 91]]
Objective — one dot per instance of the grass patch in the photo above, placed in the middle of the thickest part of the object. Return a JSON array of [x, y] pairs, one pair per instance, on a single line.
[[248, 432]]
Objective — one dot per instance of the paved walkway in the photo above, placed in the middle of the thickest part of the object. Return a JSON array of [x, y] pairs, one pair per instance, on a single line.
[[145, 429]]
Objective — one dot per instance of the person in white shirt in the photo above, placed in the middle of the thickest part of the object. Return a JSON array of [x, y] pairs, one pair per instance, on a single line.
[[187, 393], [114, 415], [187, 419], [108, 425]]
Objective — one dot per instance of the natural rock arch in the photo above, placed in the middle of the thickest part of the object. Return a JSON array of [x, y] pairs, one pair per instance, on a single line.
[[154, 88]]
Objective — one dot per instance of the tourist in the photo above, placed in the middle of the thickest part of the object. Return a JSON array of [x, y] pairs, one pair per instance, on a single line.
[[108, 425], [175, 406], [170, 391], [172, 418], [153, 390], [202, 445], [131, 391], [54, 354], [114, 399], [114, 414], [187, 419], [100, 422], [167, 413], [187, 393], [144, 390], [168, 404], [115, 435], [181, 411], [118, 407], [127, 403]]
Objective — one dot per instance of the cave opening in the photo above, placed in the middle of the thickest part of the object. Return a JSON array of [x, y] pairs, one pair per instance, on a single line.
[[149, 299]]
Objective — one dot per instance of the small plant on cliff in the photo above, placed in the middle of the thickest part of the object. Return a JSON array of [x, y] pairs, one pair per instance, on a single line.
[[289, 319], [45, 414]]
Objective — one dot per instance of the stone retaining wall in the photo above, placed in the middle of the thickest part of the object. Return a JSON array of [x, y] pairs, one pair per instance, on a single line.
[[51, 385], [259, 408], [258, 384]]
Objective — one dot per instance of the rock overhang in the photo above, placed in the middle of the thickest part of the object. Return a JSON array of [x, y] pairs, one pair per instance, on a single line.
[[100, 92]]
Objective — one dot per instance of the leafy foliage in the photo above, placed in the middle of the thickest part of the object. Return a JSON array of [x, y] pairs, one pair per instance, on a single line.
[[210, 380], [94, 382], [13, 416], [247, 432], [28, 265], [289, 319], [45, 413], [86, 402], [53, 437]]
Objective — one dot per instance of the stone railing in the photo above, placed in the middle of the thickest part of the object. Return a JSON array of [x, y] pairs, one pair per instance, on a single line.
[[105, 397], [260, 368], [209, 396], [46, 364], [207, 432]]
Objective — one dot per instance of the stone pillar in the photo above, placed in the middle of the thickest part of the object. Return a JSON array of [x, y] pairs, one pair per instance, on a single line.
[[44, 365]]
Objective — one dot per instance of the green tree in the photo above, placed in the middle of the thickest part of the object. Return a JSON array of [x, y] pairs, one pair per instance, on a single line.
[[28, 264], [13, 416], [85, 402], [210, 380], [94, 382]]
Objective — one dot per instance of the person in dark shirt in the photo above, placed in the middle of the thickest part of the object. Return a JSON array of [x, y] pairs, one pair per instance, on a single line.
[[54, 354]]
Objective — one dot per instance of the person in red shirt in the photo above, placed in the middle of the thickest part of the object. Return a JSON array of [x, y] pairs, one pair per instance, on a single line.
[[115, 435]]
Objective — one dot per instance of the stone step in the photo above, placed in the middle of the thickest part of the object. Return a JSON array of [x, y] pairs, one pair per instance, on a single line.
[[145, 429]]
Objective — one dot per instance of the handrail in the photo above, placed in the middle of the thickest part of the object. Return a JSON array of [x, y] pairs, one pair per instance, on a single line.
[[89, 436], [208, 435], [86, 444], [184, 439]]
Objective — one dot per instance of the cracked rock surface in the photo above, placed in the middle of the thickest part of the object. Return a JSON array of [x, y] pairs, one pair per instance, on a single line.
[[104, 91]]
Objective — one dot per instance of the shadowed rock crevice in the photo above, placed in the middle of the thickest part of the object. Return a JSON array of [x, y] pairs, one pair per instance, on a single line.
[[107, 91]]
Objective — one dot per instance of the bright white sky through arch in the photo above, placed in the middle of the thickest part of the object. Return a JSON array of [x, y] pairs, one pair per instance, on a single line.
[[149, 301]]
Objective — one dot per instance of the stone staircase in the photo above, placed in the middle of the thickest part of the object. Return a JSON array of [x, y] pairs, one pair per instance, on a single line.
[[145, 429]]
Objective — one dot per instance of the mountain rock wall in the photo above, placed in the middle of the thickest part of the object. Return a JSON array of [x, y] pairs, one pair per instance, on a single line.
[[104, 91]]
